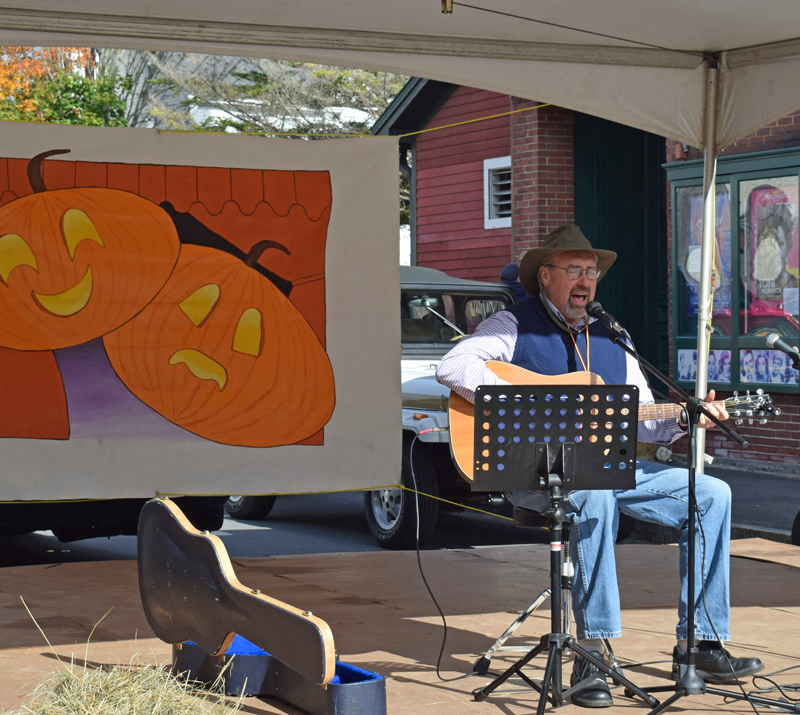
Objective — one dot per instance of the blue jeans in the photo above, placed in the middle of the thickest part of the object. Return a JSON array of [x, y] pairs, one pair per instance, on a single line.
[[661, 496]]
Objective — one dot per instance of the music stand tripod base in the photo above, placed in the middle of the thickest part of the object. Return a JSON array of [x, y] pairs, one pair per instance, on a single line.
[[554, 437]]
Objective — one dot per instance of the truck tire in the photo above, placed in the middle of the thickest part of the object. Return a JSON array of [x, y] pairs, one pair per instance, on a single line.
[[250, 508], [391, 513]]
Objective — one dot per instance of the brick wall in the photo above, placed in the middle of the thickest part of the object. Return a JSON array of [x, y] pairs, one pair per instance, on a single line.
[[778, 441], [543, 173]]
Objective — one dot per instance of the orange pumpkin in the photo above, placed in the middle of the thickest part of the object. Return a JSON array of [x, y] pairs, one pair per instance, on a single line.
[[224, 354], [77, 263]]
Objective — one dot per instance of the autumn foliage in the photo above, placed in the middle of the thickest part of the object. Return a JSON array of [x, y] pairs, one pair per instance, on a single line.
[[58, 85]]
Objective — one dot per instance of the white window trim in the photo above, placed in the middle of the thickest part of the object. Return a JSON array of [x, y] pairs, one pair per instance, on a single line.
[[501, 162]]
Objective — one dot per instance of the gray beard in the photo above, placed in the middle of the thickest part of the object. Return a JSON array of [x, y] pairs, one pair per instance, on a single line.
[[573, 313]]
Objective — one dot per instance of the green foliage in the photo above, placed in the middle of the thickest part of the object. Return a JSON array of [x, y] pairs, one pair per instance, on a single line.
[[65, 97]]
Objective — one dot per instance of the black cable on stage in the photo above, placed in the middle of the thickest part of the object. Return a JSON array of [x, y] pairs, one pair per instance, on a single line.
[[425, 581]]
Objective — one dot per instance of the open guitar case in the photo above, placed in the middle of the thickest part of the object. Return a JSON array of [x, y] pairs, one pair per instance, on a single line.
[[224, 632]]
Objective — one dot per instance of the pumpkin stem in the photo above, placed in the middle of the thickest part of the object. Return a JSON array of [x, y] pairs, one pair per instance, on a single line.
[[35, 169], [260, 247]]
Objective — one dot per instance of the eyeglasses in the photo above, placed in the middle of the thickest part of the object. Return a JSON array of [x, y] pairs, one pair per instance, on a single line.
[[574, 272]]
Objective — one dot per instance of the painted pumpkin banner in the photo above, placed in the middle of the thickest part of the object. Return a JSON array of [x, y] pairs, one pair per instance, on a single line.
[[196, 314], [80, 262]]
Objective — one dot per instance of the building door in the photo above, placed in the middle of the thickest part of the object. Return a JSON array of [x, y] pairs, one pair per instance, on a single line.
[[620, 204]]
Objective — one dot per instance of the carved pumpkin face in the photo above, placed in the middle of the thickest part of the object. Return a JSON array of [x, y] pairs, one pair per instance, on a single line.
[[224, 354], [77, 263]]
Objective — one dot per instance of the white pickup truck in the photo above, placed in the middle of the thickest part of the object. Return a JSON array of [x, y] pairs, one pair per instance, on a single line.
[[436, 311]]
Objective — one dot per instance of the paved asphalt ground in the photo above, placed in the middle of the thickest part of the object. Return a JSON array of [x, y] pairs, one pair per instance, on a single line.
[[762, 501]]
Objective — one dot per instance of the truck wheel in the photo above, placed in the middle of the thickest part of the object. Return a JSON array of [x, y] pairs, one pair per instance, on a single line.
[[391, 513], [249, 508]]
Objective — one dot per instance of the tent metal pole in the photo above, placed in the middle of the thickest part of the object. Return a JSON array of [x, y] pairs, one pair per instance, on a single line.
[[707, 248]]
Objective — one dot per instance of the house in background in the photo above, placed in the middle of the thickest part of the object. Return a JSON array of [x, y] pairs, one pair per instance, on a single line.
[[484, 192]]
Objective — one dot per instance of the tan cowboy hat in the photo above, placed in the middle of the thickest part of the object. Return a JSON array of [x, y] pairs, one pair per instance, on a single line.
[[562, 239]]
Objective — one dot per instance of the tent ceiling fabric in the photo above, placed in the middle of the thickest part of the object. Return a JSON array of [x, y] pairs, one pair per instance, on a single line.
[[633, 62]]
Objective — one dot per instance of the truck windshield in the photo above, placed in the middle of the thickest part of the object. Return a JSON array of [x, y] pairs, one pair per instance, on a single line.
[[441, 318]]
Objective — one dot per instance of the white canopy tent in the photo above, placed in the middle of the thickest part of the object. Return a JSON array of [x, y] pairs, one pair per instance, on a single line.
[[703, 72]]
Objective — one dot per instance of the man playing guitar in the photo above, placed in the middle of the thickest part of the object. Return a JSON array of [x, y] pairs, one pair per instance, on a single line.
[[550, 334]]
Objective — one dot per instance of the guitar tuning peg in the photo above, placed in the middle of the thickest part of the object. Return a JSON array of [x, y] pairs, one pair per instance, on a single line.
[[739, 422], [750, 421], [759, 391], [762, 421], [736, 393]]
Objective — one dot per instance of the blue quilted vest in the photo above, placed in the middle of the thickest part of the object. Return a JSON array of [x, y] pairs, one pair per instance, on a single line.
[[545, 348]]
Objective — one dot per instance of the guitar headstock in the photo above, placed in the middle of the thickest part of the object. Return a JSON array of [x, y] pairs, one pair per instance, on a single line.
[[750, 407]]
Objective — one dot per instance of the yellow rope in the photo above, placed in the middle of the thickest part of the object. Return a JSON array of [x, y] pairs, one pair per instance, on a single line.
[[387, 486], [352, 136], [470, 121], [391, 486], [454, 503]]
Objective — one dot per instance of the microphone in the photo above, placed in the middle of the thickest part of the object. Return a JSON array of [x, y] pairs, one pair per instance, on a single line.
[[594, 309], [774, 341]]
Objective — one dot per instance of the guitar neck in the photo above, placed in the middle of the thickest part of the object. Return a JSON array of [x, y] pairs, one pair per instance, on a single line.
[[659, 412], [664, 411]]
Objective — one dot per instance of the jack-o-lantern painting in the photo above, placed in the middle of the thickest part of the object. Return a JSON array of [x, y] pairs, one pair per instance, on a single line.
[[141, 303], [224, 354], [76, 263]]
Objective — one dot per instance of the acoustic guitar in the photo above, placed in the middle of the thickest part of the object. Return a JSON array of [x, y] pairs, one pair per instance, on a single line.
[[462, 418]]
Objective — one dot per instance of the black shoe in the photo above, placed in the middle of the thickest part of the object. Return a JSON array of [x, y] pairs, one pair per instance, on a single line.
[[596, 694], [712, 665]]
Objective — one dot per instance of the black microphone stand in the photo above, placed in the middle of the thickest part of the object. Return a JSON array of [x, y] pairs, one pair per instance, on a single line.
[[689, 682]]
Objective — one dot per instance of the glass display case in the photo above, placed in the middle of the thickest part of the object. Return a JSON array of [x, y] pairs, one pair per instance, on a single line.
[[755, 286]]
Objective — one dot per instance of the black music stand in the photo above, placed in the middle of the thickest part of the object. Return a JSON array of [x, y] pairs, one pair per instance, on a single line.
[[554, 437]]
